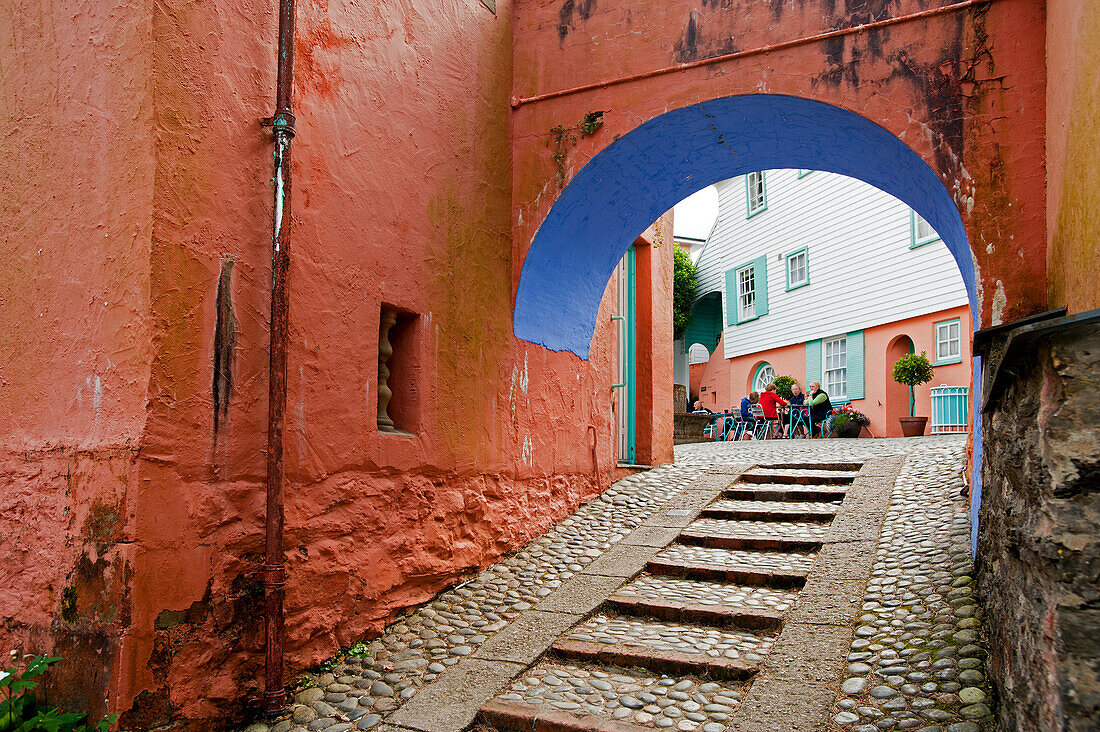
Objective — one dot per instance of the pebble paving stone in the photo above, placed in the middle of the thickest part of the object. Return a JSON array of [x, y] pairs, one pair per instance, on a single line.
[[917, 660], [630, 696], [649, 587], [776, 507], [758, 529], [675, 637], [794, 562]]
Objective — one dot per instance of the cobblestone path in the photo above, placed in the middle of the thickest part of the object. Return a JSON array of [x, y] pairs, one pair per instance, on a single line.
[[774, 586]]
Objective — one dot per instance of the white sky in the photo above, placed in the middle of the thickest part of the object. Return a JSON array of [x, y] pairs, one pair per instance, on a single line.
[[694, 216]]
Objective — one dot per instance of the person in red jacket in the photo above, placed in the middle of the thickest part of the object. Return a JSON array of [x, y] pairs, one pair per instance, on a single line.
[[769, 400]]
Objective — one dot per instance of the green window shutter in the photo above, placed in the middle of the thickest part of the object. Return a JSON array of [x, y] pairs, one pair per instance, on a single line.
[[855, 364], [760, 274], [731, 297], [813, 362]]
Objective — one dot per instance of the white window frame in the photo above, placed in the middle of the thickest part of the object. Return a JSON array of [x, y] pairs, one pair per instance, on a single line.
[[949, 333], [793, 257], [746, 293], [756, 193], [918, 238], [765, 375], [835, 366]]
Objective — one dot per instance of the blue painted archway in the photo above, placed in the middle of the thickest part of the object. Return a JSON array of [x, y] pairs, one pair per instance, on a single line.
[[635, 179]]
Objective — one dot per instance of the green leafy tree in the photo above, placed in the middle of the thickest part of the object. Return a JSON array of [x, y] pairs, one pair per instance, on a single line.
[[685, 284], [913, 370]]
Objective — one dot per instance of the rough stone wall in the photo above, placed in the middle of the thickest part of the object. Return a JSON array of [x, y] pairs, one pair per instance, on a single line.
[[1038, 545]]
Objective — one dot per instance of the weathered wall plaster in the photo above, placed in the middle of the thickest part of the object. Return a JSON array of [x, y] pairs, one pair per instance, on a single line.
[[961, 90], [1073, 127]]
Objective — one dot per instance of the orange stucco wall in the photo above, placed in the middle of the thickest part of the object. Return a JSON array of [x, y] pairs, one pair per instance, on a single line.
[[138, 189], [963, 90], [1073, 127], [726, 381]]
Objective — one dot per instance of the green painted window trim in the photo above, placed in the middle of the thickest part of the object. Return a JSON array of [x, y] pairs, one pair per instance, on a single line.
[[787, 268], [936, 345], [763, 184], [737, 294], [913, 243], [752, 382], [802, 172]]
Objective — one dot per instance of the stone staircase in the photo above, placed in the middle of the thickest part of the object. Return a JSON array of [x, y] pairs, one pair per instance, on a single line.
[[677, 645]]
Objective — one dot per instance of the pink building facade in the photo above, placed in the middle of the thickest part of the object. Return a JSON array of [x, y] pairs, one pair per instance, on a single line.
[[825, 278], [721, 382]]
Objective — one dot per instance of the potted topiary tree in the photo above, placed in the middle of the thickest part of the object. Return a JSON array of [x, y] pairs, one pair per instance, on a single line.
[[913, 370]]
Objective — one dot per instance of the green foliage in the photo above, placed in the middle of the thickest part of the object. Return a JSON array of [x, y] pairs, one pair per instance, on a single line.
[[783, 386], [561, 137], [912, 369], [685, 283], [21, 712]]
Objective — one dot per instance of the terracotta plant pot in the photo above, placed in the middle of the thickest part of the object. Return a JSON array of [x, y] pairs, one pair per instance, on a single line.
[[912, 426]]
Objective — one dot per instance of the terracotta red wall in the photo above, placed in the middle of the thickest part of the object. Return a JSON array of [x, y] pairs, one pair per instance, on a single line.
[[121, 493], [654, 345], [731, 379], [963, 90], [78, 163]]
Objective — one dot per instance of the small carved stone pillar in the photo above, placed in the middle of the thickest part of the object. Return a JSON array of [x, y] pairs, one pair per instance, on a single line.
[[385, 350]]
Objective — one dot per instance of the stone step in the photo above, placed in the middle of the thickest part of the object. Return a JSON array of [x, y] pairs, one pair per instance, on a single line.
[[767, 535], [783, 492], [664, 647], [837, 467], [557, 696], [798, 477], [684, 612], [783, 570], [771, 510]]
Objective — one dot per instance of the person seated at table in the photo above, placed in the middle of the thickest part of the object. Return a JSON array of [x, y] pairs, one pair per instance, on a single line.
[[746, 409], [769, 401], [820, 406], [700, 409]]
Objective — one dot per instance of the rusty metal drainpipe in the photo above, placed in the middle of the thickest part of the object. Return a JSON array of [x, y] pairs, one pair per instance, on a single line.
[[274, 572]]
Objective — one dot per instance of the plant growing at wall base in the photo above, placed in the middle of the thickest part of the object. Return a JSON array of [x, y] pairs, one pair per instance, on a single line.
[[685, 283], [21, 712], [783, 386], [913, 370]]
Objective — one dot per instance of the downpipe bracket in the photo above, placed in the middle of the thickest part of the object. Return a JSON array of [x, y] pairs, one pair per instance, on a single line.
[[281, 123]]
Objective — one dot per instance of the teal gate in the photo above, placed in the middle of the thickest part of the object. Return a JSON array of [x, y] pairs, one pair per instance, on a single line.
[[950, 406]]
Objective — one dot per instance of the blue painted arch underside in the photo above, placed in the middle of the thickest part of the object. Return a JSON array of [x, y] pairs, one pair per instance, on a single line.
[[640, 176]]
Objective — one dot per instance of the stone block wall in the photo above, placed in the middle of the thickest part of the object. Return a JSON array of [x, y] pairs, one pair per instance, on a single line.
[[1039, 537]]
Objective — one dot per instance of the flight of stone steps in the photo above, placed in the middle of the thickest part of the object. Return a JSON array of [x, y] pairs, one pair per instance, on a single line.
[[677, 646]]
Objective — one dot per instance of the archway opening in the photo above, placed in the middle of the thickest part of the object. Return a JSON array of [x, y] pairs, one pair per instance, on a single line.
[[644, 173]]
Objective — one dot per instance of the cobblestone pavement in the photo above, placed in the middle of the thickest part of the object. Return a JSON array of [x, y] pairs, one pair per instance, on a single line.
[[678, 600], [916, 661]]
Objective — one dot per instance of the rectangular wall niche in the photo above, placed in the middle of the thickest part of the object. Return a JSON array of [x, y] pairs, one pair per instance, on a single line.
[[400, 359]]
